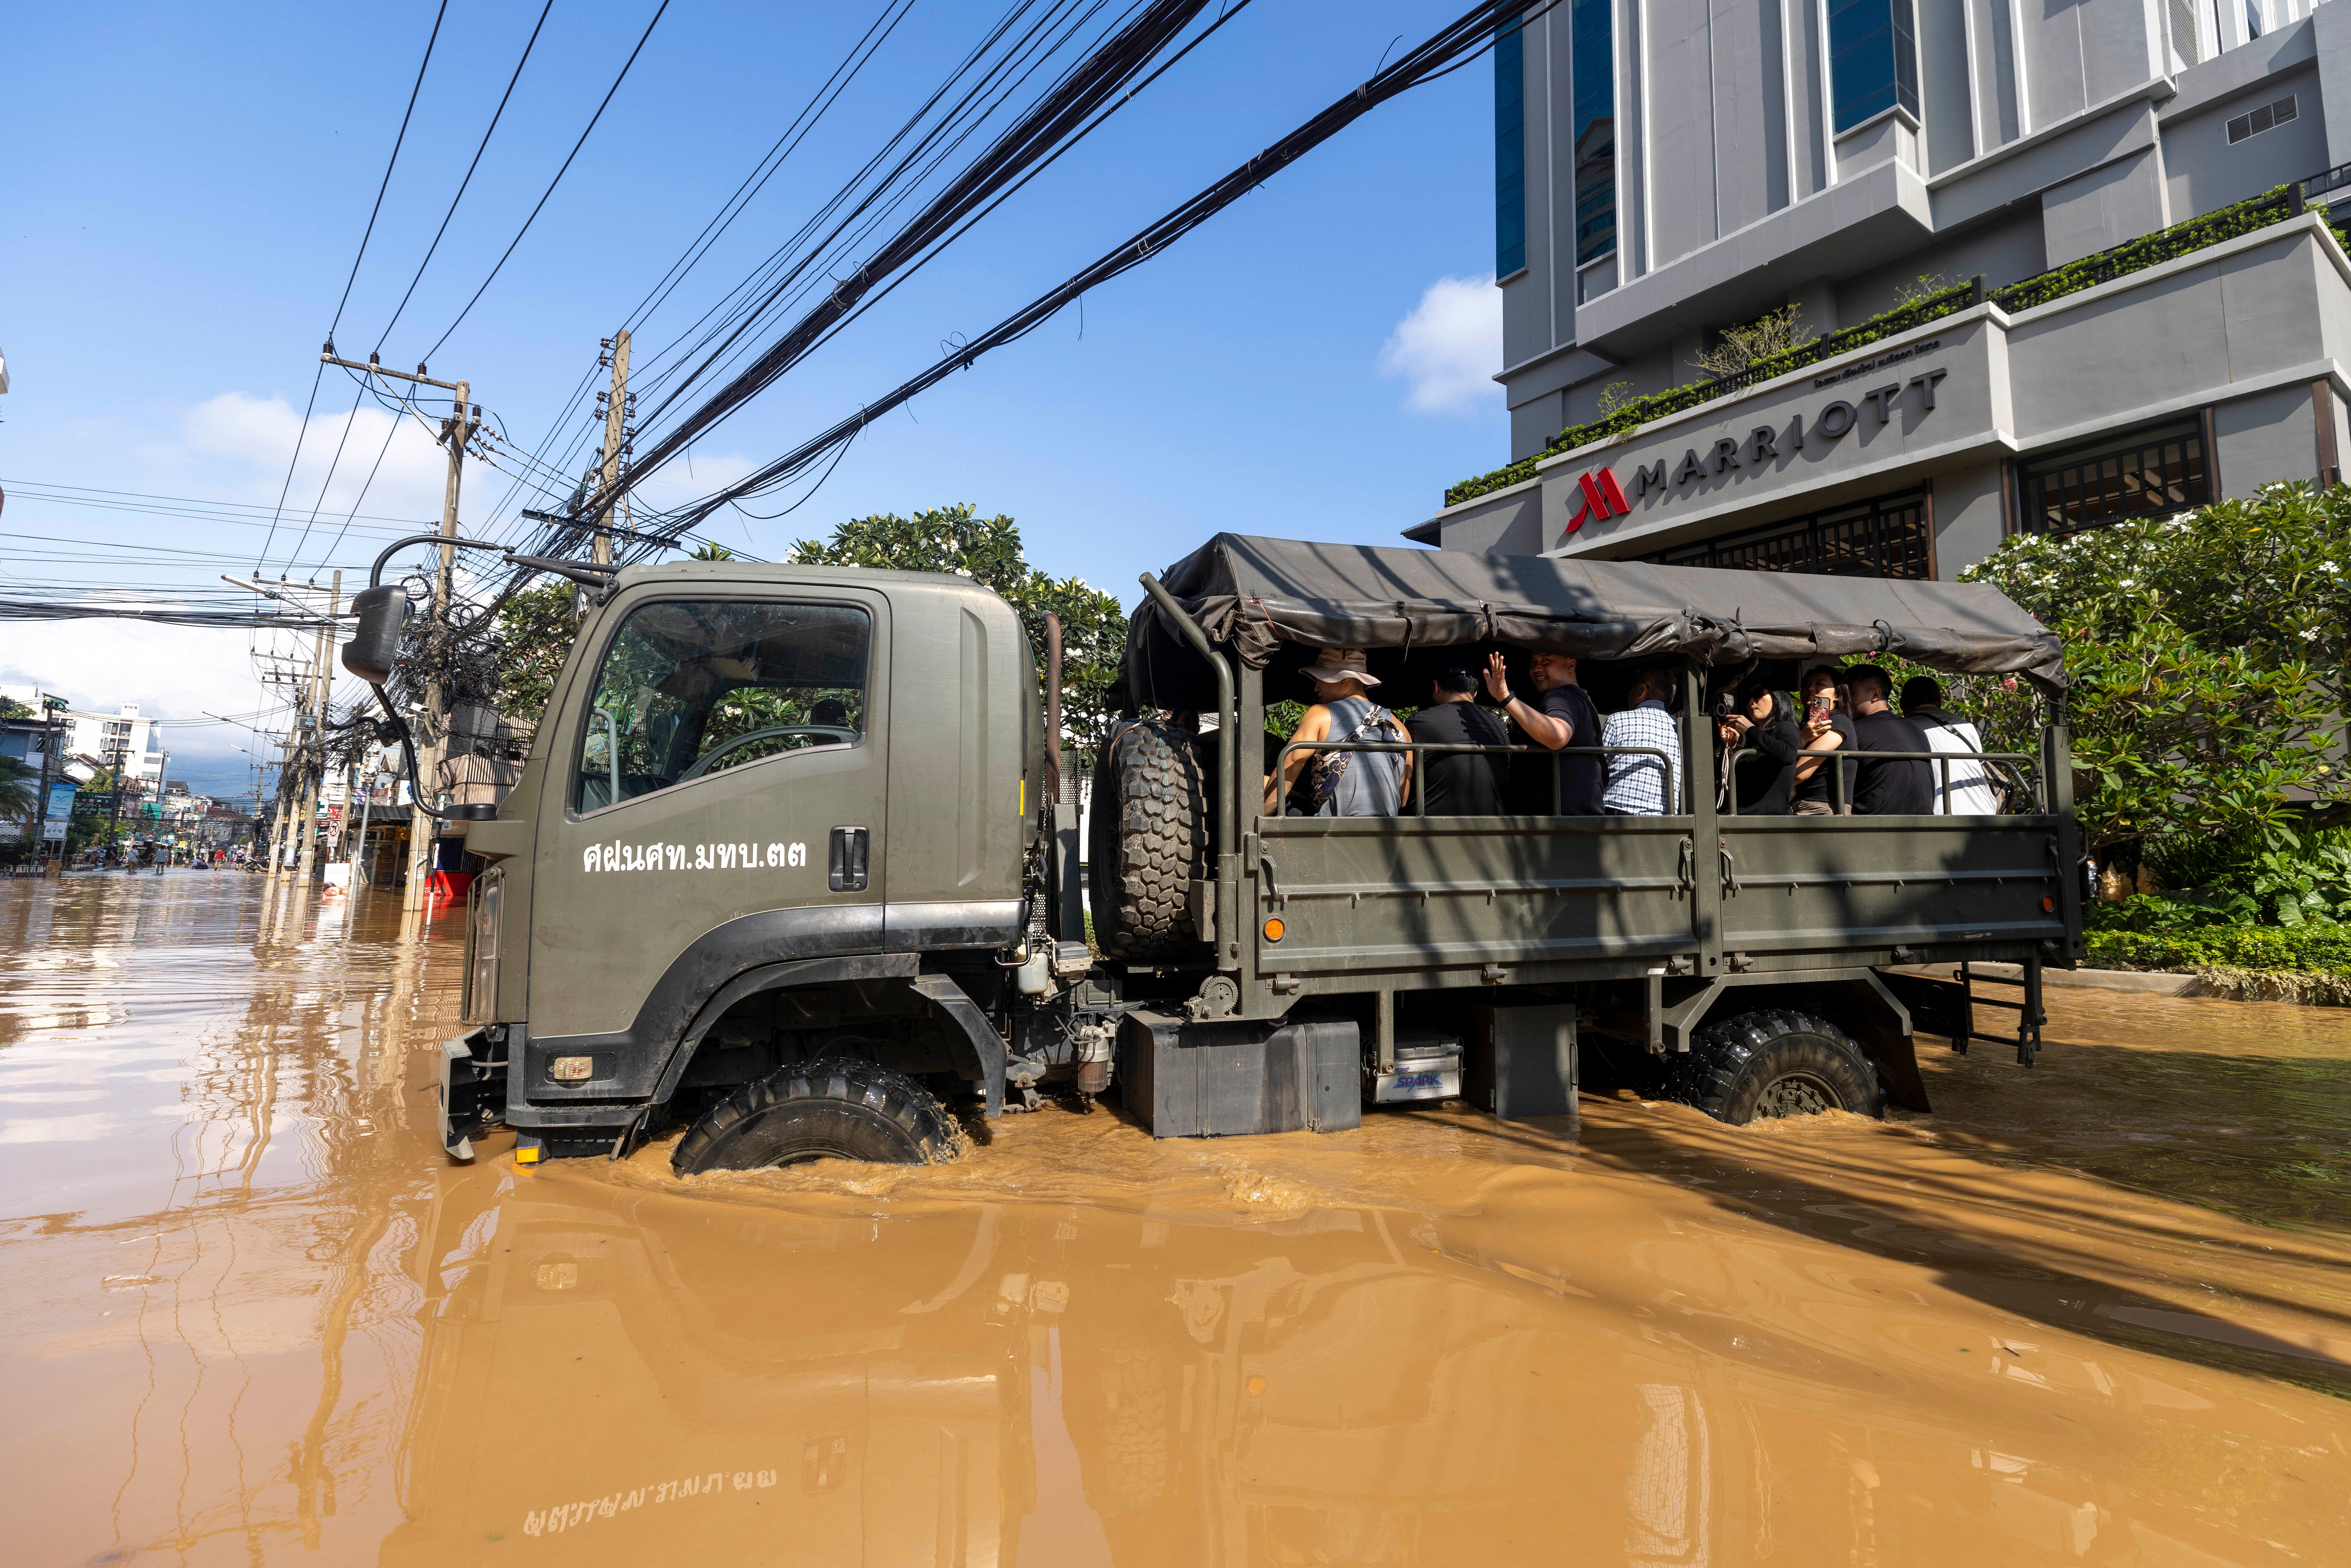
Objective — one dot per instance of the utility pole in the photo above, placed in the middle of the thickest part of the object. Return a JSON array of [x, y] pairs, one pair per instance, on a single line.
[[314, 763], [456, 430], [617, 436]]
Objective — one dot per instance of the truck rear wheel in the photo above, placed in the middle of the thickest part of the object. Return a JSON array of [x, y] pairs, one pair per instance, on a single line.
[[842, 1108], [1775, 1062], [1150, 842]]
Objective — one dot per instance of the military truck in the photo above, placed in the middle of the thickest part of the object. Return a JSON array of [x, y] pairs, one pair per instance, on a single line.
[[794, 864]]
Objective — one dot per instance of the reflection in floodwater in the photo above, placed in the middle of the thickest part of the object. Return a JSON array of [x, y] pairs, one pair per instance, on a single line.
[[2096, 1311]]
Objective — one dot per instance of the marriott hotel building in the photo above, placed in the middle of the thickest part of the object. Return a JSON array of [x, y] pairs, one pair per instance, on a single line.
[[2068, 265]]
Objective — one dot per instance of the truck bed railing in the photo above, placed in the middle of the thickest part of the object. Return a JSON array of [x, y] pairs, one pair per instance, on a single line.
[[1418, 806], [2022, 769]]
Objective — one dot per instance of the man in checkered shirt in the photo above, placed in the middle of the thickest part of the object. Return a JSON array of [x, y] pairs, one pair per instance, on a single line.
[[1638, 784]]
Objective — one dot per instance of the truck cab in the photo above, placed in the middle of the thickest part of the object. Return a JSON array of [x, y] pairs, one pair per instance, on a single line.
[[753, 781]]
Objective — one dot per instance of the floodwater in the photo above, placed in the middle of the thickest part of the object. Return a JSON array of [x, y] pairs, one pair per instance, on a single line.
[[2098, 1310]]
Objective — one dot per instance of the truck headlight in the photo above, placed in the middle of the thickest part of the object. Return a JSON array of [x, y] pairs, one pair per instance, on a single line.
[[485, 902]]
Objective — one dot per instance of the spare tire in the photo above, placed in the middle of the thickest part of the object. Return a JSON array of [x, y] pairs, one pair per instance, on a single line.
[[1149, 841]]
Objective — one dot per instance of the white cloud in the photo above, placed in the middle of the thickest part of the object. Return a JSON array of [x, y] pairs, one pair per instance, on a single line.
[[1450, 347], [235, 447]]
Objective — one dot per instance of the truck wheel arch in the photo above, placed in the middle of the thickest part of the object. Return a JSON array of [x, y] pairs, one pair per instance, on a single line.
[[973, 1041], [1857, 1001], [787, 976]]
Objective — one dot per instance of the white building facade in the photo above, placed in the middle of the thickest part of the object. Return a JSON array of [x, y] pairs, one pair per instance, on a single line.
[[1667, 169], [124, 740]]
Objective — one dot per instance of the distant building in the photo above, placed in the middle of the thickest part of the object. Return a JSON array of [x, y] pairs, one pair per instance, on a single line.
[[1671, 169], [34, 742], [125, 742]]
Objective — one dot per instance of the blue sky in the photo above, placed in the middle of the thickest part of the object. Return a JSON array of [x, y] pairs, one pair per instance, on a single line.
[[187, 190]]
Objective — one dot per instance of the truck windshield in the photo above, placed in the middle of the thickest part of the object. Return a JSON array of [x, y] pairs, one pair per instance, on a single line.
[[692, 687]]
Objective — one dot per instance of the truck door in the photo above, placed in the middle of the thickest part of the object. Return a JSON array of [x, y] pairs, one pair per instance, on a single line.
[[717, 801]]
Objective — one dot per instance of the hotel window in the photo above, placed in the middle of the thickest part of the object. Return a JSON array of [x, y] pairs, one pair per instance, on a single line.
[[1509, 152], [1592, 28], [1893, 536], [1873, 58], [2149, 473], [2267, 118]]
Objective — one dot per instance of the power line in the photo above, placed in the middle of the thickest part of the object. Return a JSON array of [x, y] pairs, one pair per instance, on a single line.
[[779, 280], [388, 167], [551, 183], [495, 115], [1448, 50], [733, 207], [137, 501], [977, 103], [333, 463], [859, 57], [1071, 110], [299, 436]]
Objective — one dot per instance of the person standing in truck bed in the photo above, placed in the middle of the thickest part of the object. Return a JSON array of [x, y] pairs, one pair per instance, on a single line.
[[1460, 783], [1640, 785], [1897, 786], [1561, 715], [1345, 783], [1827, 727]]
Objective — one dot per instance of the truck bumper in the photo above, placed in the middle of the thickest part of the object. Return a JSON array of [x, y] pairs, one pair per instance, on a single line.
[[473, 1088]]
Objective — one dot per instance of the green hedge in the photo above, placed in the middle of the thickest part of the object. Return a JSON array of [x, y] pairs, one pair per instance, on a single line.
[[2302, 949], [2180, 239]]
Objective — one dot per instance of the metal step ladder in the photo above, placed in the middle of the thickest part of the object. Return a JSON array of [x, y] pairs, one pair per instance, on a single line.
[[2031, 1016]]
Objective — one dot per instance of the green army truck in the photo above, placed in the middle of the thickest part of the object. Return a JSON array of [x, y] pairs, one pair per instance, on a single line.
[[794, 864]]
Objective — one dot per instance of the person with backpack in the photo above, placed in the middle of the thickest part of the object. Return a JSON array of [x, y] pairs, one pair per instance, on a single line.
[[1342, 783], [1970, 792]]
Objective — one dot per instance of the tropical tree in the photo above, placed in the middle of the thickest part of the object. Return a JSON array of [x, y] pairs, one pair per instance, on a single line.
[[956, 539], [2211, 659], [533, 637], [20, 790]]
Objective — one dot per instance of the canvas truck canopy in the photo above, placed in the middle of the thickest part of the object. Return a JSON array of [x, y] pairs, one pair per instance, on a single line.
[[1258, 594]]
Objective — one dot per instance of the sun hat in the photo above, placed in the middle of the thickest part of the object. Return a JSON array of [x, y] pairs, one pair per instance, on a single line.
[[1336, 664]]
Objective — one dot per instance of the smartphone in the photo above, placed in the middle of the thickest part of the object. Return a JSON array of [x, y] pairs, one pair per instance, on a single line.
[[1819, 704]]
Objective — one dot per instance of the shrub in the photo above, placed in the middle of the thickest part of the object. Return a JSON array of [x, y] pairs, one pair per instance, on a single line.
[[2306, 950], [2208, 653]]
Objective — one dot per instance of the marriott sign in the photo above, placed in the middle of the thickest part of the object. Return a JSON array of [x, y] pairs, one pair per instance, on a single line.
[[1605, 496]]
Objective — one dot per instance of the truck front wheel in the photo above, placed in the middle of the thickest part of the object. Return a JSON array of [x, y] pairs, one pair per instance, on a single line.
[[1775, 1062], [842, 1108]]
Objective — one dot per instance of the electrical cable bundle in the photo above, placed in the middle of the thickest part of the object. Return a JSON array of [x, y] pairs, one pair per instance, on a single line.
[[1448, 50], [1075, 105]]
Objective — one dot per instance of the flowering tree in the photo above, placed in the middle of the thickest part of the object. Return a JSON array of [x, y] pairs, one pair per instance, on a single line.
[[2210, 656]]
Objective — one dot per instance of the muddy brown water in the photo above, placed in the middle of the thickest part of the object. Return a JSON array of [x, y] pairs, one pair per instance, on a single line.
[[2098, 1310]]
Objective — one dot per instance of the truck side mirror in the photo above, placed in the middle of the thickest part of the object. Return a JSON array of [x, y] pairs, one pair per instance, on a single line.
[[374, 648]]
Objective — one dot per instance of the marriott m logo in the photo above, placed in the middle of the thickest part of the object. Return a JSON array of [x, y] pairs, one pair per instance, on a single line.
[[1602, 498]]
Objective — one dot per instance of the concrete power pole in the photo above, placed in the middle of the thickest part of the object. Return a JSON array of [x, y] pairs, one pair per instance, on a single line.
[[454, 433], [456, 430], [616, 434], [314, 762]]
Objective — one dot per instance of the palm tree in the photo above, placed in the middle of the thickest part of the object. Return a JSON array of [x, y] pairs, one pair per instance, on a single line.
[[712, 552], [19, 789]]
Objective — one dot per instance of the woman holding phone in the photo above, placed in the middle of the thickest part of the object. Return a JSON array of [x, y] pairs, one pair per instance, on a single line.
[[1762, 721], [1827, 727]]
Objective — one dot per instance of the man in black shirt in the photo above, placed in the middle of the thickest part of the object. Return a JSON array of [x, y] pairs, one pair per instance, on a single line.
[[1460, 783], [1561, 715], [1895, 788]]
